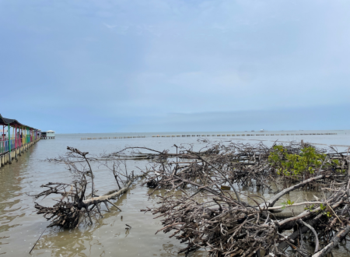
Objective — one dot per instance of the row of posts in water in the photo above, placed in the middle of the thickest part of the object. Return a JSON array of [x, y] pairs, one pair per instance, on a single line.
[[213, 135], [16, 150]]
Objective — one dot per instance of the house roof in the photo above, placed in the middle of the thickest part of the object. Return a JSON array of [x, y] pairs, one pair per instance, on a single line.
[[12, 122]]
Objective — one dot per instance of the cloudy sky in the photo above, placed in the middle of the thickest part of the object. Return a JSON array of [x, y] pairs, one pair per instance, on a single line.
[[175, 65]]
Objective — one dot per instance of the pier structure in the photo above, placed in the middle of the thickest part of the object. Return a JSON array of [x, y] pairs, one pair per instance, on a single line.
[[50, 134], [17, 139]]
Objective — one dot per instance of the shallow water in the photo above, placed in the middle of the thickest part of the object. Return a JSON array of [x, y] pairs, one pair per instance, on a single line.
[[20, 226]]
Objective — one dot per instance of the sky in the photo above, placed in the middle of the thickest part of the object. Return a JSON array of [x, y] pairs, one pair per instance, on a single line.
[[78, 66]]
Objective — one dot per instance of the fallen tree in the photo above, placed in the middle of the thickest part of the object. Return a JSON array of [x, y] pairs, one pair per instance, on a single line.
[[201, 210], [227, 226], [76, 205]]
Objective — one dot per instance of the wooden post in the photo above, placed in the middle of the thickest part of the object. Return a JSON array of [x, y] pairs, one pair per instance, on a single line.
[[21, 140], [21, 136], [16, 142], [348, 162], [15, 129], [9, 135], [2, 144], [177, 158], [3, 137]]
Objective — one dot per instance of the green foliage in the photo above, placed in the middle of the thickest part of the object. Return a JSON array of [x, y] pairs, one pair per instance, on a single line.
[[304, 163], [323, 209], [310, 208], [284, 204]]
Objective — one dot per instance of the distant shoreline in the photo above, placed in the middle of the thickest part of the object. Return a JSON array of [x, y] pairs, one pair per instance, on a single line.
[[216, 132]]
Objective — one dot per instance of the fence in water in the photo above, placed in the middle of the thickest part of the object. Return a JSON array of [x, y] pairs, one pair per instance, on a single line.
[[214, 135]]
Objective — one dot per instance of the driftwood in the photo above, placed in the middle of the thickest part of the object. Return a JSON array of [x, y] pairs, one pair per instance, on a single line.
[[75, 204], [202, 214], [335, 241], [209, 217]]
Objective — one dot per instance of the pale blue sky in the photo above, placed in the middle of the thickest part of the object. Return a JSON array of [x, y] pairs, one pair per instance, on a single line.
[[166, 65]]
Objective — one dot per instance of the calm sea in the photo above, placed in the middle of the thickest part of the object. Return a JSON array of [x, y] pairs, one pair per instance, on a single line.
[[20, 226]]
